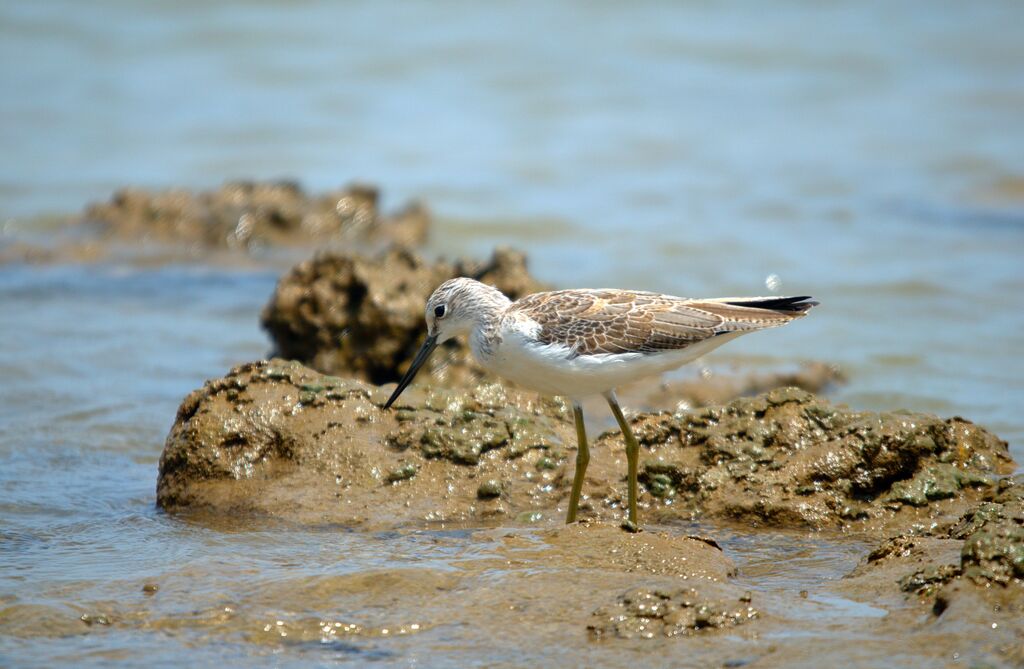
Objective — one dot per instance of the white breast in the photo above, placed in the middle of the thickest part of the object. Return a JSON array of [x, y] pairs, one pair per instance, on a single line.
[[553, 370]]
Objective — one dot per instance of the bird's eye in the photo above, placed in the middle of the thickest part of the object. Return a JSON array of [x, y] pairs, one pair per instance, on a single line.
[[439, 311]]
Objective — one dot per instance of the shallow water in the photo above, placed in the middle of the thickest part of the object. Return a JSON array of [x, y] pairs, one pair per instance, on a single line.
[[865, 153]]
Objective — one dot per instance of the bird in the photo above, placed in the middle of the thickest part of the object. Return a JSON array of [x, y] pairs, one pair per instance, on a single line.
[[583, 342]]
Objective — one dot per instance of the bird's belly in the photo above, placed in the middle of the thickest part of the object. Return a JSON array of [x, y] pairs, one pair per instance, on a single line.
[[551, 369]]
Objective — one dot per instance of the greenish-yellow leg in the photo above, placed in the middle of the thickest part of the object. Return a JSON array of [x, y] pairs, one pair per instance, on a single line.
[[582, 460], [632, 454]]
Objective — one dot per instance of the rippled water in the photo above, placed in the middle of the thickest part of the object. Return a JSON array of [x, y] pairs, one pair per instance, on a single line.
[[866, 153]]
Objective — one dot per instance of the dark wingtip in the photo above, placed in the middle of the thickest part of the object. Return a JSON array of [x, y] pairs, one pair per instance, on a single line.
[[796, 304]]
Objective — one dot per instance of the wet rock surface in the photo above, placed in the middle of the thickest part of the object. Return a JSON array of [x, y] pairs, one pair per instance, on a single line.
[[275, 441], [984, 546], [363, 316], [278, 438], [787, 458], [959, 582]]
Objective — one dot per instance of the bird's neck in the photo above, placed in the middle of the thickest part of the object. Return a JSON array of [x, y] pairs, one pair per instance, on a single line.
[[488, 308]]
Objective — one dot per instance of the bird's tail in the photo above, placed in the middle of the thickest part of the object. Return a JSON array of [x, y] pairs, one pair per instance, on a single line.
[[799, 305], [746, 314]]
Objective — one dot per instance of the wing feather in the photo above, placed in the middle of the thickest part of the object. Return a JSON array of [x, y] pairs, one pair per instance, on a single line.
[[592, 322]]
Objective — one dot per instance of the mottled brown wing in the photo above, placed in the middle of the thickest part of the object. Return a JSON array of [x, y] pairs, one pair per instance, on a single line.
[[614, 321], [611, 321]]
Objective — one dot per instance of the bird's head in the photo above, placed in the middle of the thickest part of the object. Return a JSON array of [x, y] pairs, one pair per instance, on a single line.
[[456, 307]]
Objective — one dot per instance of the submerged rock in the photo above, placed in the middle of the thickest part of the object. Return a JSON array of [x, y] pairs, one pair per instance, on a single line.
[[649, 613], [363, 317], [278, 438], [509, 586], [245, 214]]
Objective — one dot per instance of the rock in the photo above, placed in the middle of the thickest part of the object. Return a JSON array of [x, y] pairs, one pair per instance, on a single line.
[[993, 534], [787, 458], [981, 554], [649, 613], [956, 585], [363, 317], [402, 473], [918, 578], [247, 215], [278, 438], [603, 546], [489, 489]]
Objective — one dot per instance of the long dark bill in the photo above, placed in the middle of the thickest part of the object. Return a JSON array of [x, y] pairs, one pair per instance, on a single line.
[[428, 347]]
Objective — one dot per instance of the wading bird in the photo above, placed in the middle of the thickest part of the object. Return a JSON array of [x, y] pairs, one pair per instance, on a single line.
[[576, 343]]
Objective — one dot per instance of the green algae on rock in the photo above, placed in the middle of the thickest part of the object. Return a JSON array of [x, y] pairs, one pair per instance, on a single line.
[[489, 489], [993, 534], [988, 539], [967, 574], [788, 458], [363, 316]]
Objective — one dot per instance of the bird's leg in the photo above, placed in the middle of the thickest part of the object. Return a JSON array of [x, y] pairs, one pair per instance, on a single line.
[[582, 459], [632, 457]]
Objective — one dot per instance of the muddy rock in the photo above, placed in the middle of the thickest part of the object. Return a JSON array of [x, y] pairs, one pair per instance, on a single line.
[[993, 534], [605, 546], [962, 578], [986, 546], [248, 215], [787, 458], [649, 613], [278, 438], [363, 316]]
